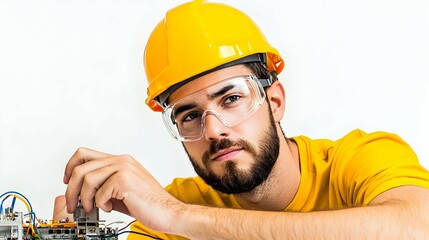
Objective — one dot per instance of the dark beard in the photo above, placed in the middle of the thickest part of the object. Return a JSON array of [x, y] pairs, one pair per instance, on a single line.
[[242, 181]]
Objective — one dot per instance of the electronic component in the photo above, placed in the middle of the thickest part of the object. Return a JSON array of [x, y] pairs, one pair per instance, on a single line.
[[86, 226], [11, 226]]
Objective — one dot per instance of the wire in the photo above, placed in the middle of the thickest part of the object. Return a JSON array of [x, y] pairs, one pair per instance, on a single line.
[[120, 231], [117, 222], [22, 199], [131, 232], [33, 217], [27, 203], [15, 192], [13, 204], [127, 225], [35, 229]]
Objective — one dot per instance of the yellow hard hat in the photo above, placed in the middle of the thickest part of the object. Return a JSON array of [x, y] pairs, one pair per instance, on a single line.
[[196, 37]]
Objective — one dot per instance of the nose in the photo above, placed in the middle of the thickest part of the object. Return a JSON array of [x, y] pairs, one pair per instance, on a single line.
[[214, 128]]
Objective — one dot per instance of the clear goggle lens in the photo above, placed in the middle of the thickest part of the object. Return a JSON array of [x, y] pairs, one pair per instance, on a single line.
[[232, 101]]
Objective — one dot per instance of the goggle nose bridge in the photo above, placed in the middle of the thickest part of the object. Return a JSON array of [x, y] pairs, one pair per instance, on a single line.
[[215, 113]]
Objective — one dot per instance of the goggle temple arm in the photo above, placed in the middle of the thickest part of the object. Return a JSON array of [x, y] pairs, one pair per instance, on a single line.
[[265, 82]]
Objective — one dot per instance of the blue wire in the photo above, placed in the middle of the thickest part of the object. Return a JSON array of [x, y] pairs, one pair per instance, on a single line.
[[34, 215], [14, 192], [13, 203]]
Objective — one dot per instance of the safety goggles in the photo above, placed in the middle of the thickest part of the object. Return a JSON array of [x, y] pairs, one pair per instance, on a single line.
[[232, 101]]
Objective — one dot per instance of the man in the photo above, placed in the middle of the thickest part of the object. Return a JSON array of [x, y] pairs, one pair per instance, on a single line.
[[213, 75]]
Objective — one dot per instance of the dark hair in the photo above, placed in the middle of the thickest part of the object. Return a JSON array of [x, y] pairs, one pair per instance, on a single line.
[[261, 71]]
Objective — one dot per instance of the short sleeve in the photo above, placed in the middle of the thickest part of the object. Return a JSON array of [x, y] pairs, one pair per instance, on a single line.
[[366, 165]]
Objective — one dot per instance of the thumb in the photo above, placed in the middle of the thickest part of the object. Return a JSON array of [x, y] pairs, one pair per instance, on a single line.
[[60, 209]]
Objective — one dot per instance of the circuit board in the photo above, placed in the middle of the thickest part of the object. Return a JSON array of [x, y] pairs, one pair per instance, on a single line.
[[85, 226]]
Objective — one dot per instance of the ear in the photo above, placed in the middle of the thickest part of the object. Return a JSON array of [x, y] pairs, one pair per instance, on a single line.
[[277, 98]]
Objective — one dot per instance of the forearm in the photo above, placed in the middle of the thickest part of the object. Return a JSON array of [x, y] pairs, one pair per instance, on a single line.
[[391, 221]]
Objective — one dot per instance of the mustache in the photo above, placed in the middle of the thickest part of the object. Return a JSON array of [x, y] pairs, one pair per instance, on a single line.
[[225, 143]]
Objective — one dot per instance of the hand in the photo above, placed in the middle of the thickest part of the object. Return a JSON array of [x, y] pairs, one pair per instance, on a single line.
[[118, 182], [60, 211]]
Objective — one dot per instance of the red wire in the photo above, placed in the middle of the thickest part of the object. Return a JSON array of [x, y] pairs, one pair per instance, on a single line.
[[127, 225]]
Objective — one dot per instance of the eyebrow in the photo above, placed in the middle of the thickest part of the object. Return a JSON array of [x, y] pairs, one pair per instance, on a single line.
[[188, 106], [220, 92], [183, 108]]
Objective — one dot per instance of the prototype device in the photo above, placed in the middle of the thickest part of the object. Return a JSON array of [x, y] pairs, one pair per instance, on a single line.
[[86, 226]]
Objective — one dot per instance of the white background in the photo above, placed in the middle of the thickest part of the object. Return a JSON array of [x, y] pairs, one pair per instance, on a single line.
[[71, 75]]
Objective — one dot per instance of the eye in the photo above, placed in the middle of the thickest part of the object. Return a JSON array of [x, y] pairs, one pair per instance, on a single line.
[[232, 98], [191, 116]]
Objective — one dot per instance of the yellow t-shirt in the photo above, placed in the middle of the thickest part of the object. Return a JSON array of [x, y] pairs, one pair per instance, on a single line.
[[334, 174]]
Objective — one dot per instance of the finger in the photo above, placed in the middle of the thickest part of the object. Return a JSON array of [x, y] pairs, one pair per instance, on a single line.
[[113, 192], [96, 179], [81, 156], [78, 177], [108, 192], [119, 206]]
